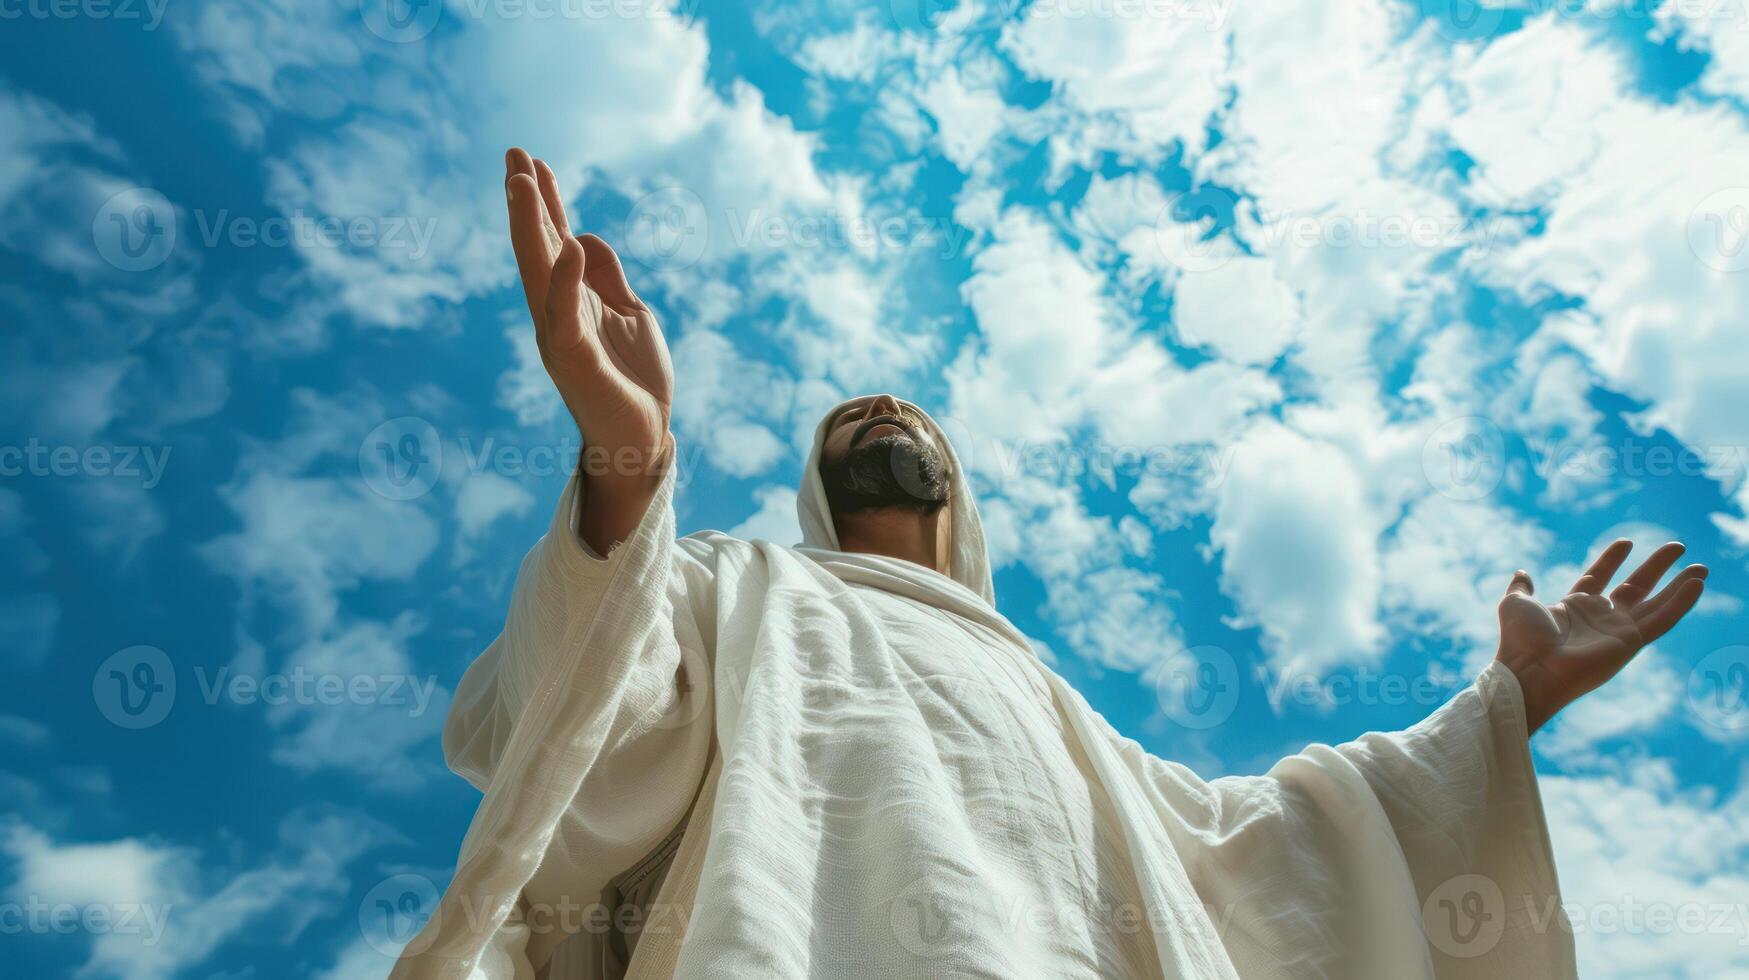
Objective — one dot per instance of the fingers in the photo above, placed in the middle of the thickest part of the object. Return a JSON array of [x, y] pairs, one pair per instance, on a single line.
[[534, 253], [1639, 585], [568, 333], [607, 277], [1604, 568], [555, 202], [1668, 612], [1521, 584]]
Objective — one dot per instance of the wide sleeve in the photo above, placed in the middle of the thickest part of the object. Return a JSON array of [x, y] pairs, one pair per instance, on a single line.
[[1460, 794], [1421, 853], [586, 724], [561, 586]]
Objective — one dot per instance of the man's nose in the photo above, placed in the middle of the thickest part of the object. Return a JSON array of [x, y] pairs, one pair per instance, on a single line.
[[883, 405]]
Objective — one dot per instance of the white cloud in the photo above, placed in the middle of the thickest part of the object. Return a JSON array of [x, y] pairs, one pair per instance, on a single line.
[[774, 521], [373, 726], [1238, 309], [1158, 77], [1637, 700], [1296, 539], [1653, 877], [166, 908], [1642, 234], [442, 131], [305, 540], [725, 404], [484, 498]]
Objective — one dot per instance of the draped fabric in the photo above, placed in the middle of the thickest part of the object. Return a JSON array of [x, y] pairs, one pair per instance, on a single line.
[[873, 775]]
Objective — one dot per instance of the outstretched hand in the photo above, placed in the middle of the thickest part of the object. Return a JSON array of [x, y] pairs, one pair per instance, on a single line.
[[1563, 651], [601, 346]]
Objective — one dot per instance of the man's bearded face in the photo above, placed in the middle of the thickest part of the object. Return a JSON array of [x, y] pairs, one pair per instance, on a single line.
[[879, 455]]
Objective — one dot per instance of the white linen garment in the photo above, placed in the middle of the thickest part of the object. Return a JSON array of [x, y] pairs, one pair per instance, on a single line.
[[801, 762]]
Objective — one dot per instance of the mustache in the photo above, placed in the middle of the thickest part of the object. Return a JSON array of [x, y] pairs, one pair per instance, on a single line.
[[863, 427]]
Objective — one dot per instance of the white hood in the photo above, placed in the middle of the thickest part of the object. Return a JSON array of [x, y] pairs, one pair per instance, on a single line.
[[971, 561]]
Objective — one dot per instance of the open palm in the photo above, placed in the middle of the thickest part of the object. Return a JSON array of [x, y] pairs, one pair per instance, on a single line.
[[1562, 651], [600, 344]]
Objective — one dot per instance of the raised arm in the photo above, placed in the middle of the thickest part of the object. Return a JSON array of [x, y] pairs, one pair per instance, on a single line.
[[603, 349]]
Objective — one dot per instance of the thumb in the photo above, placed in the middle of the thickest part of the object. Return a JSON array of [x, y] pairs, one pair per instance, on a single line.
[[1520, 584], [607, 276]]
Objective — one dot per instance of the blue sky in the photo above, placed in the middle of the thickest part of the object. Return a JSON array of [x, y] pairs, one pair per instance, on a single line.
[[1276, 336]]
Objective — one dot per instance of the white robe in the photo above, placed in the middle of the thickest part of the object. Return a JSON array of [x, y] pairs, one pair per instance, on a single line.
[[876, 777]]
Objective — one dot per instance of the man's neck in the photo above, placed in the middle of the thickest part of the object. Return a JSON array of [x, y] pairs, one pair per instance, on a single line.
[[898, 532]]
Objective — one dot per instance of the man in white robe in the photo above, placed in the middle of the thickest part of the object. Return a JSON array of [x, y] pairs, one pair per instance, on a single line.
[[719, 758]]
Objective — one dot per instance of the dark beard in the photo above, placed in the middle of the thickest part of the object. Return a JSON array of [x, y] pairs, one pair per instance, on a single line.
[[889, 471]]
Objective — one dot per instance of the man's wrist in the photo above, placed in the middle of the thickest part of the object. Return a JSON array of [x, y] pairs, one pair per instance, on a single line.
[[616, 486], [1533, 684]]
